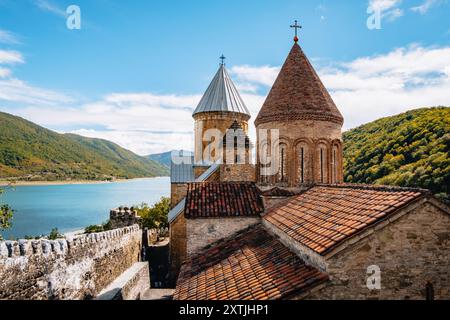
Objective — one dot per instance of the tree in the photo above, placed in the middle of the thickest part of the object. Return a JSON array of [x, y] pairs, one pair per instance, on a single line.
[[155, 216], [6, 214]]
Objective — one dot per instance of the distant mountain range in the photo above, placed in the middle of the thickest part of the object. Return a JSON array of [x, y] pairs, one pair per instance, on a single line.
[[165, 157], [31, 152], [410, 150]]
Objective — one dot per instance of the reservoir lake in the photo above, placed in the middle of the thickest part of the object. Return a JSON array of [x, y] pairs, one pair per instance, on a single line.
[[72, 207]]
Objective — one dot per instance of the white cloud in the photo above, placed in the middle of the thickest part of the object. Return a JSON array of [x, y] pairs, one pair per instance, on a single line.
[[50, 7], [143, 143], [406, 78], [264, 75], [389, 9], [383, 5], [4, 72], [14, 90], [10, 57], [424, 7], [368, 88], [364, 89], [8, 37]]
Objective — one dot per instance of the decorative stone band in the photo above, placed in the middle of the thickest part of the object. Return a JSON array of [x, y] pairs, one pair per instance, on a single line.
[[44, 247], [317, 116]]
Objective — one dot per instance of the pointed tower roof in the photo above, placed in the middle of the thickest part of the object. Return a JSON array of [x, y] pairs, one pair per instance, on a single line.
[[222, 96], [298, 94]]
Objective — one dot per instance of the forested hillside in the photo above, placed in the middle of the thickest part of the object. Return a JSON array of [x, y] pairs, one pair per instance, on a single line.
[[31, 152], [410, 149]]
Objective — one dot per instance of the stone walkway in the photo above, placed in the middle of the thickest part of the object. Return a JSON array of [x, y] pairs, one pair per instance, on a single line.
[[158, 294]]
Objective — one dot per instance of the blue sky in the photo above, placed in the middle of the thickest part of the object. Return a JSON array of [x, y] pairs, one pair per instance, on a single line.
[[136, 69]]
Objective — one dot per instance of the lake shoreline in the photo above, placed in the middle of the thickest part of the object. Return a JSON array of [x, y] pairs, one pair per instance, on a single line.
[[5, 183]]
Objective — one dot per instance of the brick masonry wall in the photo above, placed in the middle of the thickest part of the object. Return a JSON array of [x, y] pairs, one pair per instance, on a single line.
[[310, 135], [410, 252], [203, 232], [238, 173], [77, 268]]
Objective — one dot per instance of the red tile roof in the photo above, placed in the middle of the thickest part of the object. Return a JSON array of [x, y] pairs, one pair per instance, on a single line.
[[298, 94], [225, 199], [251, 265], [324, 216]]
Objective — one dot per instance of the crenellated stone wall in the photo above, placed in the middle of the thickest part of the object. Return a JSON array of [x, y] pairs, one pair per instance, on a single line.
[[76, 268], [123, 217]]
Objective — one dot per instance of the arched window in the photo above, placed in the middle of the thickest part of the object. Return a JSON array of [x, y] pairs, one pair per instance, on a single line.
[[322, 163], [302, 163], [283, 164], [334, 164]]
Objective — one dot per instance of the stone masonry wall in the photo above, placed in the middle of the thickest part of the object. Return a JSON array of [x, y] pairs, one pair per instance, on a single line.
[[77, 268], [238, 173], [177, 193], [178, 239], [411, 251], [203, 232]]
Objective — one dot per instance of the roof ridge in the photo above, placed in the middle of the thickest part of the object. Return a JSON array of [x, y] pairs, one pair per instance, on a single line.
[[362, 186]]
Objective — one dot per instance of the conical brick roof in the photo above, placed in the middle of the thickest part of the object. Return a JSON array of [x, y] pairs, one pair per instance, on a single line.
[[298, 94]]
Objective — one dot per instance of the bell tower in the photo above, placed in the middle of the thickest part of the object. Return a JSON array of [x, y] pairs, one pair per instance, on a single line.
[[220, 109]]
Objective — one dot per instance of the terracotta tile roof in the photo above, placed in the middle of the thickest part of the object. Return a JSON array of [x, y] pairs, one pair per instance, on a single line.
[[222, 199], [252, 265], [298, 94], [324, 216]]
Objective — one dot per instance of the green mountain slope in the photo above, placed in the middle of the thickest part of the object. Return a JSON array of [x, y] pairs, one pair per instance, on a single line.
[[30, 152], [411, 149]]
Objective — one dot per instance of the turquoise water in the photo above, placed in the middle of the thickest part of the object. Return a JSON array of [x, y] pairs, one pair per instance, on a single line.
[[38, 209]]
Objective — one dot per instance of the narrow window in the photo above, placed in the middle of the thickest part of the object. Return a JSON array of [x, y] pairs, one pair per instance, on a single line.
[[302, 165], [321, 165], [334, 166], [429, 291], [282, 164]]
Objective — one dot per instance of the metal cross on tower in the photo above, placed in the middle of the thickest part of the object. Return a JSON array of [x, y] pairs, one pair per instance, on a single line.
[[222, 60], [296, 26]]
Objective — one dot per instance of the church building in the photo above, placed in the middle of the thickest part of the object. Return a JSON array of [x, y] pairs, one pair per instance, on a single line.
[[240, 231]]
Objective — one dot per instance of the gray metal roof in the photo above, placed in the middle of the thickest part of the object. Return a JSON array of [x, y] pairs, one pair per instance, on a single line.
[[222, 95], [182, 173]]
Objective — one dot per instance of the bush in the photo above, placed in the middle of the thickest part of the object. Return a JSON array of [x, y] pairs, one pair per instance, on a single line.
[[6, 215], [155, 217], [98, 228], [54, 234]]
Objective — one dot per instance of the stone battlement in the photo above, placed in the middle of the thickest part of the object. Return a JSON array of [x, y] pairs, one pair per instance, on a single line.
[[123, 217], [45, 247], [78, 267]]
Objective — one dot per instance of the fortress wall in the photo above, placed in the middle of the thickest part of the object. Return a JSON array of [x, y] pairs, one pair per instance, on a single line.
[[77, 268]]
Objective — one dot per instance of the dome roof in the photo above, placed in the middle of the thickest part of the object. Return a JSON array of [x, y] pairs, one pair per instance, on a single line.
[[221, 96]]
